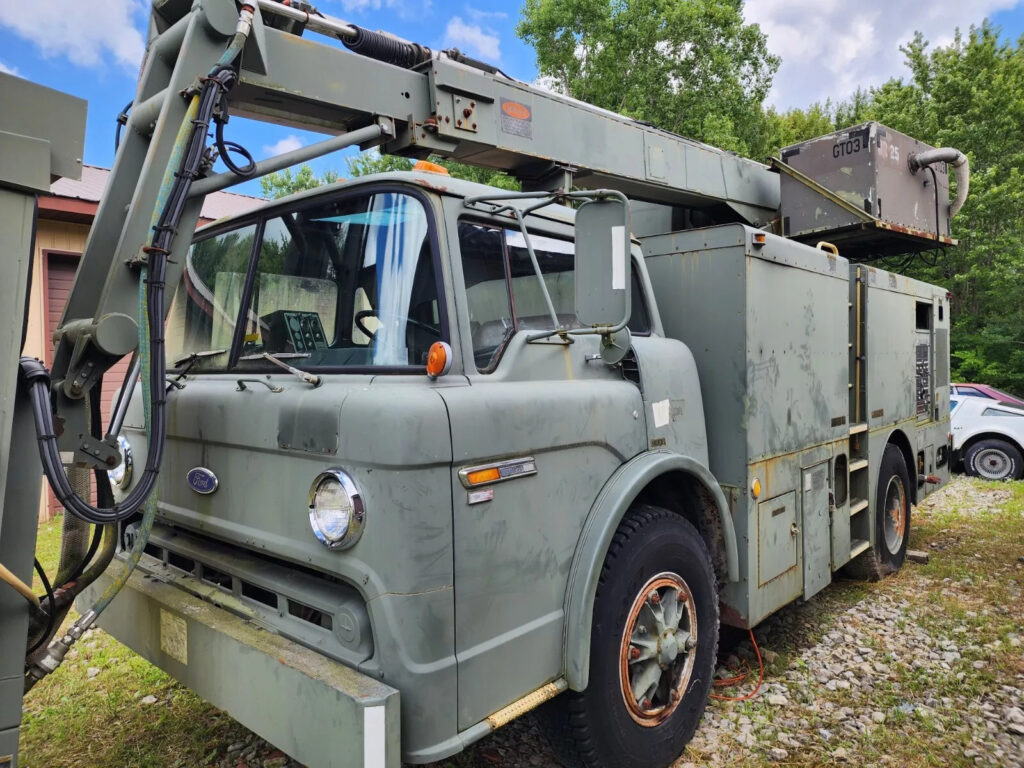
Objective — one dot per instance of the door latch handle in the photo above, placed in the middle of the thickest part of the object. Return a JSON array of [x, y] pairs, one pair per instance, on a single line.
[[794, 530]]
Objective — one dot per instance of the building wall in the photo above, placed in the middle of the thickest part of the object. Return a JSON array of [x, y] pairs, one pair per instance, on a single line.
[[50, 236]]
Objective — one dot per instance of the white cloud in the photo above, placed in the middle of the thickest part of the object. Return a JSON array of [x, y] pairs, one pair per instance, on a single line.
[[289, 143], [8, 70], [404, 8], [477, 14], [89, 33], [472, 39], [830, 47]]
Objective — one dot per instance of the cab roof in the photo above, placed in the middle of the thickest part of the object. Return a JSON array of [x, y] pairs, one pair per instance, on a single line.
[[432, 182]]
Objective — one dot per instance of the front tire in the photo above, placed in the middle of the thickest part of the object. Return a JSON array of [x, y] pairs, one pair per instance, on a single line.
[[993, 460], [652, 652]]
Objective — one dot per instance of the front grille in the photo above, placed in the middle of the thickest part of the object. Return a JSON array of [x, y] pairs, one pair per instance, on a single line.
[[293, 601]]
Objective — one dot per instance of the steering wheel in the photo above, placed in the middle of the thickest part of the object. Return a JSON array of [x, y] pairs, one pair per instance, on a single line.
[[358, 320], [365, 313]]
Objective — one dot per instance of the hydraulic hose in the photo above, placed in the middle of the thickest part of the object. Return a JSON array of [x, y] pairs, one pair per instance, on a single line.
[[961, 168], [183, 169], [190, 147]]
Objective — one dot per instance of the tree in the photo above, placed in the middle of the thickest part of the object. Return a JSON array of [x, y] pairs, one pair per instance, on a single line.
[[283, 183], [689, 66]]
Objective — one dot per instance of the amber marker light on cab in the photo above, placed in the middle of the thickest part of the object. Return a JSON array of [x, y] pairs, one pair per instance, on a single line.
[[755, 488], [439, 359], [429, 167]]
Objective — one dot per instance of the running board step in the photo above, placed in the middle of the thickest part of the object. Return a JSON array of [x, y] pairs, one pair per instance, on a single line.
[[858, 464], [857, 505], [856, 429], [857, 546]]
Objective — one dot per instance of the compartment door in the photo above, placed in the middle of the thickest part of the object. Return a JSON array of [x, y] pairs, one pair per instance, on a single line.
[[817, 538]]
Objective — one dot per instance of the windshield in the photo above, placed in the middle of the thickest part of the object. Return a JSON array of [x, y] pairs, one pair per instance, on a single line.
[[344, 283]]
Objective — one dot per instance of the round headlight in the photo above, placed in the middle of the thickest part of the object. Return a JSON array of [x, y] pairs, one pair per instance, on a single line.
[[336, 509], [121, 475]]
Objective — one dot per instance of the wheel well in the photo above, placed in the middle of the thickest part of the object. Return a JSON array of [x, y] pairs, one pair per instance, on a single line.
[[900, 440], [685, 495], [989, 436]]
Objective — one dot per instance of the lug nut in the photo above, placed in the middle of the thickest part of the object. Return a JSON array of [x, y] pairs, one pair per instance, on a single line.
[[646, 704], [655, 598], [691, 643], [634, 652]]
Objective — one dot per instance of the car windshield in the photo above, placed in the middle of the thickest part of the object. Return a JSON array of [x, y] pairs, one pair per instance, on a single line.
[[344, 283]]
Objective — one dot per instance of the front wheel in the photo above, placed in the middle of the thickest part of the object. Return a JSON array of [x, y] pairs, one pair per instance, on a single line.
[[653, 646], [993, 460]]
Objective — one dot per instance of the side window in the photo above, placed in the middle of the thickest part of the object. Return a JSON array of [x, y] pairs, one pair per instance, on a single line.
[[998, 412], [555, 259], [207, 300], [971, 392], [485, 270], [503, 292]]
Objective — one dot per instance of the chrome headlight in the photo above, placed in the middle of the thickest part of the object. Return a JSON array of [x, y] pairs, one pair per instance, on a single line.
[[336, 509], [121, 475]]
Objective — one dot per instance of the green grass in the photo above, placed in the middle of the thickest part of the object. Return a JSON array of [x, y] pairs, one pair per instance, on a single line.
[[72, 721]]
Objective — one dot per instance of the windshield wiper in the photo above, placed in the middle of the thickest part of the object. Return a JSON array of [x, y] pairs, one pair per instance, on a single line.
[[193, 357], [309, 378]]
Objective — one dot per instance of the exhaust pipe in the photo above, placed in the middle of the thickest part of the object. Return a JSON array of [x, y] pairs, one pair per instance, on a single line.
[[961, 168]]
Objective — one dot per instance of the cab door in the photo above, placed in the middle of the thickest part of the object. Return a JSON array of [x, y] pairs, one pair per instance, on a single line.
[[536, 434]]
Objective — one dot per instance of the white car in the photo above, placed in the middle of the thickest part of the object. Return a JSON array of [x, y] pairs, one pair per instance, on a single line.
[[988, 437]]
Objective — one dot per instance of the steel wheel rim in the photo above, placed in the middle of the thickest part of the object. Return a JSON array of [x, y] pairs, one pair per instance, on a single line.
[[993, 464], [658, 649], [895, 514]]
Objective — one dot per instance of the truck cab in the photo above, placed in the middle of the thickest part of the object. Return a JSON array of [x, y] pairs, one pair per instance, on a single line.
[[432, 532]]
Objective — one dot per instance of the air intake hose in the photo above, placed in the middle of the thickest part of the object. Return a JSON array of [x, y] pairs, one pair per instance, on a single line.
[[961, 167]]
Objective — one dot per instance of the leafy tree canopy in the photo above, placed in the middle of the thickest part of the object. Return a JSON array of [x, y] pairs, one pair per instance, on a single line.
[[689, 66]]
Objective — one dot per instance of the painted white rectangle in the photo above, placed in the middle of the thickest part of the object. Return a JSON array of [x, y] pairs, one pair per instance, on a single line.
[[481, 495], [661, 411], [374, 738], [618, 258]]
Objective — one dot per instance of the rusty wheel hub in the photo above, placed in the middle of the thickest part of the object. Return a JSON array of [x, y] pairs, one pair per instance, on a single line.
[[656, 657]]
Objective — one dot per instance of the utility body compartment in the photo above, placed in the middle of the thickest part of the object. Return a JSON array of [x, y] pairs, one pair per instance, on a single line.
[[803, 385]]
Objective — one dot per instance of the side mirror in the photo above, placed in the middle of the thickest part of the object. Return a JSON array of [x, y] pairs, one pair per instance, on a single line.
[[603, 264]]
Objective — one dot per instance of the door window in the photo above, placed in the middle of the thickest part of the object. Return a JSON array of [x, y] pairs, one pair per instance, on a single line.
[[505, 296]]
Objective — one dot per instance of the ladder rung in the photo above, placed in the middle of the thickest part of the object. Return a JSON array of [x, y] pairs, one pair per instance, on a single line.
[[857, 546], [857, 505], [858, 464], [858, 428]]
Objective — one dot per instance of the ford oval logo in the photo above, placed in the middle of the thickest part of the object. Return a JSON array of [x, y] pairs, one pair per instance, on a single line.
[[201, 480]]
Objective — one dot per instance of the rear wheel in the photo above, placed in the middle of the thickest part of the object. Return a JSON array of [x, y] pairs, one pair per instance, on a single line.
[[892, 520], [993, 460], [653, 645]]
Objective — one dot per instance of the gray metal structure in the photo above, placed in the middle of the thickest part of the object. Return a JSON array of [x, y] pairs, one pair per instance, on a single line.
[[42, 132], [487, 494]]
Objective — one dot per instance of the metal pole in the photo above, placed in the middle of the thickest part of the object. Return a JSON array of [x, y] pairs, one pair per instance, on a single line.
[[301, 155]]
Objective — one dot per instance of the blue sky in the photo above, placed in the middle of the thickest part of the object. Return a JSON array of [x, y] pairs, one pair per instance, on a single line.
[[91, 48]]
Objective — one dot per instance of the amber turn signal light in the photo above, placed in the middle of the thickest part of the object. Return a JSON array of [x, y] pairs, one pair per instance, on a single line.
[[439, 359]]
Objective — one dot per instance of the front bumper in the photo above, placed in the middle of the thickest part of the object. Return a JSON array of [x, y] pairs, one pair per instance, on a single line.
[[315, 709]]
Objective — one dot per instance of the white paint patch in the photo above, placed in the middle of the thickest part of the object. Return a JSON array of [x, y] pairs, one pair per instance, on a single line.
[[374, 738], [480, 496], [618, 258], [662, 413], [174, 636]]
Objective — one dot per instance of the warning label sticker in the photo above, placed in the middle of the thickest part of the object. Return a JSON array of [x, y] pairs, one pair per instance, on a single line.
[[516, 119]]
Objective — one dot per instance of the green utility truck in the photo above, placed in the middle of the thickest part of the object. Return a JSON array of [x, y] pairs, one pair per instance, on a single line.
[[431, 454]]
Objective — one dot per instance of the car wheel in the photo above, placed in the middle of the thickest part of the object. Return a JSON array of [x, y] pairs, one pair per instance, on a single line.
[[993, 460], [892, 520], [653, 647]]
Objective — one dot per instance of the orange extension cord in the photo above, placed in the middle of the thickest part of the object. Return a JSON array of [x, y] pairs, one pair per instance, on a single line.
[[726, 682]]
